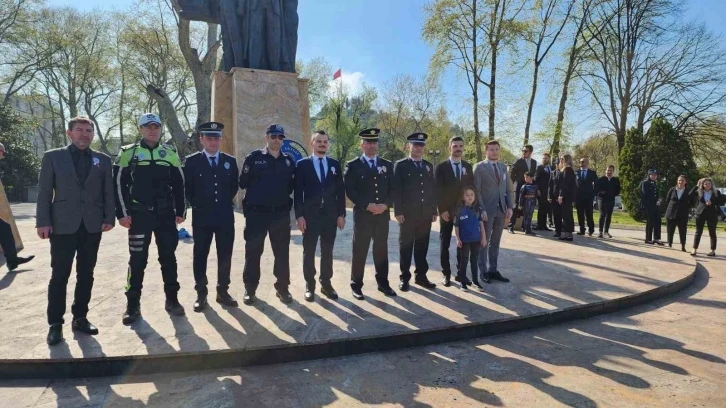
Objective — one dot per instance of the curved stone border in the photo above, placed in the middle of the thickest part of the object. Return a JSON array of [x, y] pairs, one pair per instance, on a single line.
[[224, 359]]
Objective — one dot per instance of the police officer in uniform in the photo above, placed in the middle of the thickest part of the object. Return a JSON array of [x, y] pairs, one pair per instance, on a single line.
[[414, 202], [149, 190], [268, 175], [211, 184], [369, 185]]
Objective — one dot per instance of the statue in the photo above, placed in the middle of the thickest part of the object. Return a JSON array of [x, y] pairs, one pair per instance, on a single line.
[[256, 34]]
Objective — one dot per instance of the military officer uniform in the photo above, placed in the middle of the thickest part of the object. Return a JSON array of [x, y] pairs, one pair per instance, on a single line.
[[414, 198], [211, 184], [269, 181], [149, 187], [369, 180]]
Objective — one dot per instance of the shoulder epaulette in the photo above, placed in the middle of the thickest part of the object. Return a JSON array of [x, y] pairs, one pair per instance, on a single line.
[[129, 146], [170, 147], [193, 154]]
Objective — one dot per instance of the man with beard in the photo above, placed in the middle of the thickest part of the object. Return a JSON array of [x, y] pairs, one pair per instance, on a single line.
[[542, 181]]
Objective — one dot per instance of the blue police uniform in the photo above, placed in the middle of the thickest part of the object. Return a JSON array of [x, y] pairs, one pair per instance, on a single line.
[[211, 184], [369, 181], [414, 198], [269, 181]]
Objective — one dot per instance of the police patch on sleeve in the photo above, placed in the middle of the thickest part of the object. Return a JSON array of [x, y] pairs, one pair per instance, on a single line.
[[246, 169], [162, 153]]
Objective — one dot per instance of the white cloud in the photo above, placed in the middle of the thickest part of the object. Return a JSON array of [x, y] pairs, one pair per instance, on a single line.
[[352, 82]]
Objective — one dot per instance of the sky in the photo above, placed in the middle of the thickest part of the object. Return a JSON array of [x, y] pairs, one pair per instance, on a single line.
[[374, 40]]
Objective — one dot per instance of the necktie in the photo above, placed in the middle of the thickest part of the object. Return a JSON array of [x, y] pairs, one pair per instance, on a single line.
[[214, 162], [496, 172], [418, 163], [322, 169], [547, 169], [458, 171], [372, 162], [82, 166]]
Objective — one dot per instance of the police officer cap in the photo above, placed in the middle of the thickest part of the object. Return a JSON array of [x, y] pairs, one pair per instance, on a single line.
[[148, 118], [210, 129], [275, 129], [652, 171], [370, 134], [418, 138]]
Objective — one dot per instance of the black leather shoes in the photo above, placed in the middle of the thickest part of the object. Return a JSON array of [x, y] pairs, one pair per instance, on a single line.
[[557, 234], [55, 334], [19, 261], [249, 297], [358, 294], [580, 232], [511, 230], [498, 277], [425, 283], [174, 307], [403, 286], [284, 296], [309, 293], [131, 315], [329, 292], [659, 242], [200, 304], [84, 326], [386, 290], [446, 282], [224, 299]]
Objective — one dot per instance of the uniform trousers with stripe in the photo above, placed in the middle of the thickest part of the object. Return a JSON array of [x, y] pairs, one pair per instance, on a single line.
[[162, 225]]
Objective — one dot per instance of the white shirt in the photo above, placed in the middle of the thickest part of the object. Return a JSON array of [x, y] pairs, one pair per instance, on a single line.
[[679, 192], [316, 164], [215, 155], [528, 161], [453, 166], [706, 195], [367, 160]]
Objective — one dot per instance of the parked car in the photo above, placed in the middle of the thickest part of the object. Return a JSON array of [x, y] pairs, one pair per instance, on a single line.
[[618, 203]]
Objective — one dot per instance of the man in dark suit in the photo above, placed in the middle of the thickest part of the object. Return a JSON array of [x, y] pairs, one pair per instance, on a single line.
[[552, 199], [607, 187], [75, 205], [414, 201], [319, 209], [542, 181], [210, 186], [586, 180], [523, 165], [7, 240], [451, 176], [369, 185]]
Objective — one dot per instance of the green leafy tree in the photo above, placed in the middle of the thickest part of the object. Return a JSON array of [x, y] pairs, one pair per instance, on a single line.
[[632, 171], [669, 152], [20, 167]]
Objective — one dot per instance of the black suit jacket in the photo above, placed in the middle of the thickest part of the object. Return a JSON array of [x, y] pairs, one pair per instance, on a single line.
[[677, 208], [448, 188], [542, 178], [364, 185], [519, 168], [553, 185], [713, 210], [414, 189], [566, 184], [211, 193], [586, 185], [312, 196], [606, 189]]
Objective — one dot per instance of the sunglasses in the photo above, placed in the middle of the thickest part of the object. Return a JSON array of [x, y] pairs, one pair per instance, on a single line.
[[275, 137]]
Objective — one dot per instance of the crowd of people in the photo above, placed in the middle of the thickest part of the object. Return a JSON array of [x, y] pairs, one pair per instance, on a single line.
[[148, 190]]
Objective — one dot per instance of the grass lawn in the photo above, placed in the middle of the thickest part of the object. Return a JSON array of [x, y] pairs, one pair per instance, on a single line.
[[622, 218]]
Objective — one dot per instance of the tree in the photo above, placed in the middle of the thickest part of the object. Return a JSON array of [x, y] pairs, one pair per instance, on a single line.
[[601, 149], [319, 74], [707, 138], [632, 171], [542, 33], [670, 153], [21, 166]]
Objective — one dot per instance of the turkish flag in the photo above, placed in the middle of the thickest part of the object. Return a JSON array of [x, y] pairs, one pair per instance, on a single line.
[[337, 74]]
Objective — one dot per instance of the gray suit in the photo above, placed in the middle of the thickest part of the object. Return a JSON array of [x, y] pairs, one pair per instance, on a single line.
[[494, 198], [63, 202]]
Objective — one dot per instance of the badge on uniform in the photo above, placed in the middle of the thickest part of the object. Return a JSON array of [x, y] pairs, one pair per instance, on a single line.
[[428, 168], [226, 165], [287, 161], [332, 170], [162, 153], [246, 169], [96, 162], [139, 156]]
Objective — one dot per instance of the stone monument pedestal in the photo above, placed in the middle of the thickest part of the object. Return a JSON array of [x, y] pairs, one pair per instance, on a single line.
[[7, 215]]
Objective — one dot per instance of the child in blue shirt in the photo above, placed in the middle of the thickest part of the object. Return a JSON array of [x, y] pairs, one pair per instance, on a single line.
[[470, 234]]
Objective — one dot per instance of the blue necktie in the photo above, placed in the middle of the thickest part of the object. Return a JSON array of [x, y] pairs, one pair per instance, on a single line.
[[372, 162], [322, 170], [214, 162], [458, 171]]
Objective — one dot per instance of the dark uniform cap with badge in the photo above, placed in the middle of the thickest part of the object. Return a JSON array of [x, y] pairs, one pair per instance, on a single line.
[[275, 129], [418, 138], [370, 134], [210, 129]]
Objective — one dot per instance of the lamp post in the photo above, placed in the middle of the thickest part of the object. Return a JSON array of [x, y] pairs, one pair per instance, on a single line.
[[435, 154]]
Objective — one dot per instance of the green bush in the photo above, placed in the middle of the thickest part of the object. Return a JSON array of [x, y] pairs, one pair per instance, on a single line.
[[20, 167]]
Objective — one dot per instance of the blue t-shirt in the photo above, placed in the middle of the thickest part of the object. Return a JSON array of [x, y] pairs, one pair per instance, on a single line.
[[467, 219]]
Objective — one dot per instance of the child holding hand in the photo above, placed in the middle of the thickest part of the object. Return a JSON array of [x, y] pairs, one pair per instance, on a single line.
[[470, 235]]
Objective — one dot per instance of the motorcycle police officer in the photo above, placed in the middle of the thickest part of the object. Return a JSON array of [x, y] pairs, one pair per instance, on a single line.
[[149, 190], [211, 184], [268, 175]]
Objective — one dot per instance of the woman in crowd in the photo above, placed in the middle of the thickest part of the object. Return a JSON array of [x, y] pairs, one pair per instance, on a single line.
[[709, 201], [566, 190], [678, 201]]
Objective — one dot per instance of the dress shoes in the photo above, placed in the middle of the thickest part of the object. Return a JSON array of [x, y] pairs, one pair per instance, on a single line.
[[284, 296], [329, 292], [309, 293], [425, 283], [607, 234], [511, 230], [659, 242], [599, 235], [248, 298], [649, 242], [530, 233], [498, 277], [478, 286], [580, 232], [224, 299], [386, 290], [174, 307], [683, 248], [589, 233], [200, 304], [557, 234], [55, 334], [712, 253], [446, 282], [131, 315], [403, 286], [358, 294], [19, 261], [84, 326]]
